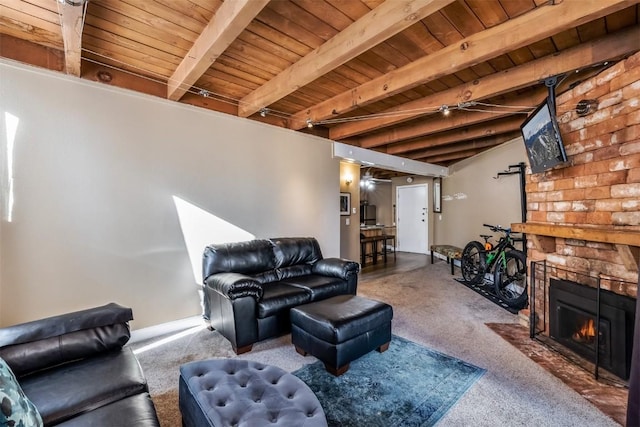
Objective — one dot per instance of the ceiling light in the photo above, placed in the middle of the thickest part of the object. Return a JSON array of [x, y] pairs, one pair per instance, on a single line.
[[445, 110], [309, 123], [204, 92], [264, 111]]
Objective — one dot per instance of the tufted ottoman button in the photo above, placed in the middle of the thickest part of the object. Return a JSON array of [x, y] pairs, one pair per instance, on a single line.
[[220, 405]]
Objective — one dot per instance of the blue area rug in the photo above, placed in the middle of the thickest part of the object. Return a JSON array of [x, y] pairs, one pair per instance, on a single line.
[[407, 385]]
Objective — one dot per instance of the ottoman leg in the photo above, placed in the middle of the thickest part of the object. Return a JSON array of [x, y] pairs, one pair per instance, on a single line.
[[384, 347], [242, 350], [336, 372], [300, 351]]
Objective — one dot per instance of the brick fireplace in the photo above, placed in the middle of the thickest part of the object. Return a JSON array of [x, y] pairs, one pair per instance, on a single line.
[[584, 217]]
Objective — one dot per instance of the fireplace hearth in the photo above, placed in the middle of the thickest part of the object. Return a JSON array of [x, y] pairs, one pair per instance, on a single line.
[[584, 319]]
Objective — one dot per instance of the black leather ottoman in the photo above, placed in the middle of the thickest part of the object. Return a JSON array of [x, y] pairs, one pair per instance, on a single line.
[[242, 393], [341, 329]]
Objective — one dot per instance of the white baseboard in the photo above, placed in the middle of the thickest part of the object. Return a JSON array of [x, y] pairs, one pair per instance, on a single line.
[[166, 328]]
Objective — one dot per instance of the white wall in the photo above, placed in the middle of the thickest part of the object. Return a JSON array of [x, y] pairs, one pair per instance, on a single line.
[[472, 196], [95, 172]]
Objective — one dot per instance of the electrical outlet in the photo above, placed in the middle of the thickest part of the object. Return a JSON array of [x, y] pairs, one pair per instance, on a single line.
[[347, 221]]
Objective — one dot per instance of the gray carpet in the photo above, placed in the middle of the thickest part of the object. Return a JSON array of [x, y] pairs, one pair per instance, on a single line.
[[431, 309]]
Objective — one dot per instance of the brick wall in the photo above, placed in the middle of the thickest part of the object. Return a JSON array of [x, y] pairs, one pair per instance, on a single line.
[[600, 184]]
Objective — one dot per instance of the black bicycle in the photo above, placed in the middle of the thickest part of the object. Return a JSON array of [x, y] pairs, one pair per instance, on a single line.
[[508, 265]]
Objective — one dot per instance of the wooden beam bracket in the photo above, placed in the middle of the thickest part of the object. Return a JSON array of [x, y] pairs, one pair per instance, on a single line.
[[545, 244], [630, 256]]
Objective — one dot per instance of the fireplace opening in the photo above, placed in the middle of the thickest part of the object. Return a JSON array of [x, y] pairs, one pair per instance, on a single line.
[[573, 322]]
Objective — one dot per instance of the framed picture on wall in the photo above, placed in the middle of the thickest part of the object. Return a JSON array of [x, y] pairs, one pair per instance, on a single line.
[[437, 194], [345, 203]]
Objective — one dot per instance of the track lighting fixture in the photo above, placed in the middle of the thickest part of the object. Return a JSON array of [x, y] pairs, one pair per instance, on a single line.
[[73, 3]]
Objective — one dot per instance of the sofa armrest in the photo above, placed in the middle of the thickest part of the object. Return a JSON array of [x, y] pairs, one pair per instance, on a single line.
[[336, 267], [234, 285], [48, 342]]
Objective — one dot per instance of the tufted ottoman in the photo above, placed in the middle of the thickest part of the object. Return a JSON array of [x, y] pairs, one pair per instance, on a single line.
[[232, 392], [340, 329]]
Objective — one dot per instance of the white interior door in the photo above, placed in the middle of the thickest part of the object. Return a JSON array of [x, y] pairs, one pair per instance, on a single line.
[[412, 218]]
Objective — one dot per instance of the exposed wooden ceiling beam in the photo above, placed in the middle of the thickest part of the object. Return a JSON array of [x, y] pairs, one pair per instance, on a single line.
[[31, 53], [480, 143], [463, 154], [494, 127], [72, 21], [457, 119], [448, 158], [540, 23], [386, 20], [612, 46], [226, 25]]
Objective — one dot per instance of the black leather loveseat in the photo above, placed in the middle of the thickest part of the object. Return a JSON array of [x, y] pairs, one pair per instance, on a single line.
[[249, 287], [75, 370]]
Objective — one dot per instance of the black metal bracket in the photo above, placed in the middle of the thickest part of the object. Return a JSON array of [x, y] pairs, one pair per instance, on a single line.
[[551, 83], [519, 170]]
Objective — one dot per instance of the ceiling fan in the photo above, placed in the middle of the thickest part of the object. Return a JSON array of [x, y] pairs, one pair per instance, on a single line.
[[369, 178]]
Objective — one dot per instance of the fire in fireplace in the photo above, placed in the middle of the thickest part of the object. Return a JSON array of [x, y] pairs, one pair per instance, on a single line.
[[585, 333], [573, 316]]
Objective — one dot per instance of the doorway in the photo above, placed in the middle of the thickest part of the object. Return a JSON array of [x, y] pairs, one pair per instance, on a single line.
[[412, 225]]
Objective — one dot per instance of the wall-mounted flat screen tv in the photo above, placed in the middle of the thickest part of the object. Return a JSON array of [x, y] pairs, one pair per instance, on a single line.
[[542, 139]]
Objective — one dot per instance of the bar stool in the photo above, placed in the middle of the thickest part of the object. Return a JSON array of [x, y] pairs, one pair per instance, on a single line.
[[392, 239], [373, 240]]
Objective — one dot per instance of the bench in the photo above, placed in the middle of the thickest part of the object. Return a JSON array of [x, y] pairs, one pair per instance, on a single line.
[[450, 252]]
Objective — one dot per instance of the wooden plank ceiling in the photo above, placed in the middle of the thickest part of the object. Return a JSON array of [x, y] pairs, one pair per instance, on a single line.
[[373, 73]]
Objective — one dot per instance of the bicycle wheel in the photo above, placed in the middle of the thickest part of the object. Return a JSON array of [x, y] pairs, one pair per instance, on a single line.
[[512, 283], [473, 262]]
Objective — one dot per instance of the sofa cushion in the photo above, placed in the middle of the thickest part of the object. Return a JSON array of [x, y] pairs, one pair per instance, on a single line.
[[252, 257], [35, 345], [319, 287], [137, 410], [62, 392], [30, 357], [15, 408], [54, 326], [293, 271], [296, 250], [279, 296]]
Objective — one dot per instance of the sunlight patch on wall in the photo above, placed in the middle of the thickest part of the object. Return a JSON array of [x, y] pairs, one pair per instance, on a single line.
[[201, 228], [11, 125]]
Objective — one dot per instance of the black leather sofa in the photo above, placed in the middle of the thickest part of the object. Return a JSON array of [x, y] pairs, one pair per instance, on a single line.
[[249, 287], [75, 370]]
